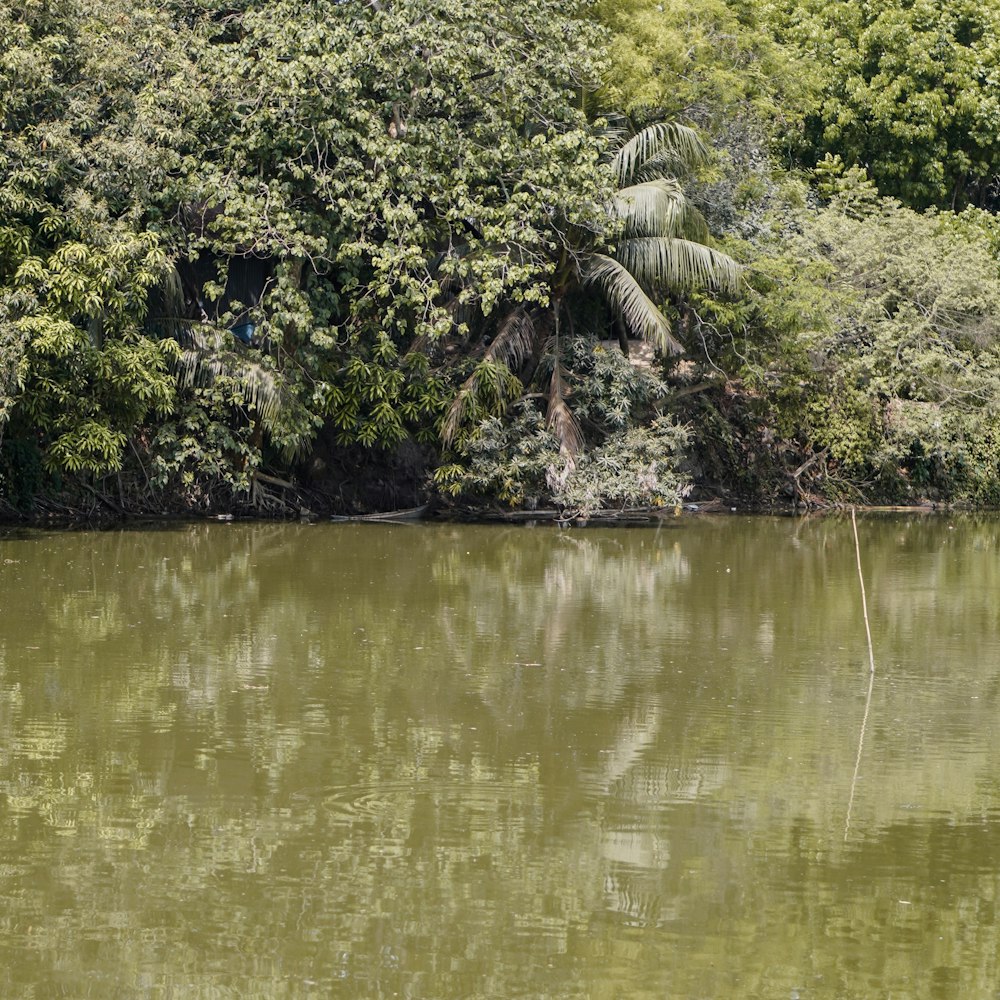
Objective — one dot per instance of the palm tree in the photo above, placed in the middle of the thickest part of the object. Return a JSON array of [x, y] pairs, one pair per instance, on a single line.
[[663, 239], [661, 248]]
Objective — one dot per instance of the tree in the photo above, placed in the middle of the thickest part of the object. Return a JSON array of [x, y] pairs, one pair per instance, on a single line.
[[76, 261], [708, 62], [378, 157], [662, 240], [650, 242], [904, 89]]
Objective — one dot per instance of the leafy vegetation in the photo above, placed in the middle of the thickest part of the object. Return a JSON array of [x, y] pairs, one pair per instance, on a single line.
[[907, 89], [898, 382], [240, 247]]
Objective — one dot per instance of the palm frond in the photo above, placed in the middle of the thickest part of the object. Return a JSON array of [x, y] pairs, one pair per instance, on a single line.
[[658, 208], [513, 342], [665, 165], [676, 147], [258, 386], [631, 304], [661, 262], [166, 309], [560, 419], [616, 129], [456, 414]]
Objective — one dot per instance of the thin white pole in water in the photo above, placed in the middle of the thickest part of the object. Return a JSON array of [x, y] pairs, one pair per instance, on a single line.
[[871, 676]]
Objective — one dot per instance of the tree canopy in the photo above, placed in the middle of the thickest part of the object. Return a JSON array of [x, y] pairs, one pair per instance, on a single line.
[[905, 89], [246, 240]]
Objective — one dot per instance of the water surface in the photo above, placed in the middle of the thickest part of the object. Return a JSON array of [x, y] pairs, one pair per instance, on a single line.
[[270, 761]]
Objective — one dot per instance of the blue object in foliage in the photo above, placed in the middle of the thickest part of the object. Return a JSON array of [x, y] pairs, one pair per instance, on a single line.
[[243, 332]]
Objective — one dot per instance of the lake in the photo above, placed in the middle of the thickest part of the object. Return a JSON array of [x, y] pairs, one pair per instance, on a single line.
[[443, 761]]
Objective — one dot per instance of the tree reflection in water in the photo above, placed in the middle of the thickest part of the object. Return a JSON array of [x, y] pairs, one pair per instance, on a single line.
[[358, 760]]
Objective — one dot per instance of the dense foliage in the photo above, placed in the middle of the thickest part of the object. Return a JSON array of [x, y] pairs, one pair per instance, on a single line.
[[907, 89], [247, 251]]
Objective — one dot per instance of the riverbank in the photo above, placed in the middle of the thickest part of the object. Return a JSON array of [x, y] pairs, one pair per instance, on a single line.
[[403, 483], [300, 505]]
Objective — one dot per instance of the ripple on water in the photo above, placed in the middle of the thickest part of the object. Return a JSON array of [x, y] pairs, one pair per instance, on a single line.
[[41, 740], [447, 810]]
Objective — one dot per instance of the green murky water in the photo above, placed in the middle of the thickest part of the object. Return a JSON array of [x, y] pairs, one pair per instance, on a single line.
[[264, 761]]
